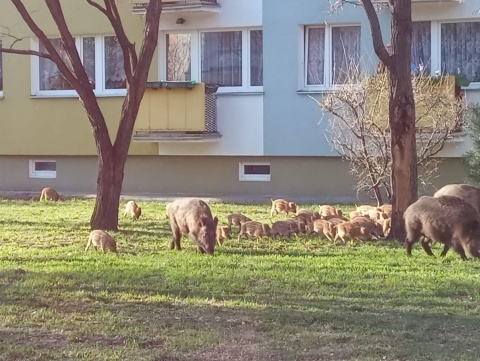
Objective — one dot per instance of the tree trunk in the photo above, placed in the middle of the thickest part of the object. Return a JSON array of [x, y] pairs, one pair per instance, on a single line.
[[402, 118], [109, 189]]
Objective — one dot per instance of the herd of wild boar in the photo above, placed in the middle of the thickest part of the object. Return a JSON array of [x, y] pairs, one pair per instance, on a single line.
[[451, 217]]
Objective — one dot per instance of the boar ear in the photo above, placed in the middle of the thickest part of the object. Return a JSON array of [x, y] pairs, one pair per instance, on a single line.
[[215, 220]]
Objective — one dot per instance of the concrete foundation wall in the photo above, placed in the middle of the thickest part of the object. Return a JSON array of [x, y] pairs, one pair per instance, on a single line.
[[304, 179]]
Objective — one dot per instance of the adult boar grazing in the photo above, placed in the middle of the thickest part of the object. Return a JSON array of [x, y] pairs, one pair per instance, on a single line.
[[193, 217], [446, 219], [467, 192]]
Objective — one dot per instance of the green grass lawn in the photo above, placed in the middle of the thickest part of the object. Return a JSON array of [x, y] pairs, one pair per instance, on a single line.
[[283, 300]]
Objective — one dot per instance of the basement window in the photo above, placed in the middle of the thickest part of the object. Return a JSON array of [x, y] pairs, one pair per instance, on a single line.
[[43, 168], [254, 172]]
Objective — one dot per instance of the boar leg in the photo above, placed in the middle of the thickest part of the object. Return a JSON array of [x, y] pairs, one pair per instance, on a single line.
[[200, 249], [426, 247], [446, 247], [176, 239], [459, 249], [413, 235]]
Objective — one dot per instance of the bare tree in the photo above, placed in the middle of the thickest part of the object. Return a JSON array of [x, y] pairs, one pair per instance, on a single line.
[[401, 102], [359, 130], [111, 156]]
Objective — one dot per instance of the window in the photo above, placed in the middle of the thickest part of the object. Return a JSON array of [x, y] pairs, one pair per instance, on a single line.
[[1, 72], [43, 168], [460, 53], [421, 47], [449, 48], [332, 55], [259, 172], [102, 59], [231, 59]]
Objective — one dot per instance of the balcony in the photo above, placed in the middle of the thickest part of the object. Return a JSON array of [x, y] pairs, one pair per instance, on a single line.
[[179, 7], [177, 111]]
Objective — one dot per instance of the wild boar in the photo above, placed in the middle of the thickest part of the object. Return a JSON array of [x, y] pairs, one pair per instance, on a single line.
[[467, 192], [254, 229], [101, 239], [297, 225], [374, 228], [282, 205], [281, 228], [446, 219], [236, 219], [133, 210], [330, 211], [363, 209], [307, 216], [223, 233], [352, 231], [321, 226], [193, 217], [49, 194], [387, 209]]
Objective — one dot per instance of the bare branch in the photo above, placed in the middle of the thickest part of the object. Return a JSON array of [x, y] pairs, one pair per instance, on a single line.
[[378, 44], [26, 52], [97, 6]]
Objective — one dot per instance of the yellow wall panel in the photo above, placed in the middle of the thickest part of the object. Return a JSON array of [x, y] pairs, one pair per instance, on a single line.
[[58, 126]]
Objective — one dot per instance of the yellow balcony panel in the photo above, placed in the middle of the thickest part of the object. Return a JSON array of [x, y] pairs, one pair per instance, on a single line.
[[179, 7], [177, 111]]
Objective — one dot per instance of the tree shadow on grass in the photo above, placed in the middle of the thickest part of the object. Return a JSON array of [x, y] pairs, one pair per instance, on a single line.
[[288, 326]]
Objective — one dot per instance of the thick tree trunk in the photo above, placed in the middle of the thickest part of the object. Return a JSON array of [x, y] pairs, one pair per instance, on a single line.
[[402, 118], [109, 189]]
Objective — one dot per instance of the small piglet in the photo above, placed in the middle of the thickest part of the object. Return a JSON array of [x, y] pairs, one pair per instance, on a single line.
[[49, 194], [281, 205], [255, 229], [193, 217], [102, 239], [133, 210], [236, 219], [223, 233]]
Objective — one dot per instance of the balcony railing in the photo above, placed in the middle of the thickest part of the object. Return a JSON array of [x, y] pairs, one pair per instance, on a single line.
[[178, 6]]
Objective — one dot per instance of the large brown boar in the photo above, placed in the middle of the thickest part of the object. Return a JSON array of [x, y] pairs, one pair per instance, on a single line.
[[467, 192], [193, 217], [446, 219]]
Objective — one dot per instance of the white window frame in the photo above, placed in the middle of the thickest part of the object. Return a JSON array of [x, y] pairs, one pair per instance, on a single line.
[[303, 54], [196, 58], [99, 90], [41, 174], [242, 177], [436, 45]]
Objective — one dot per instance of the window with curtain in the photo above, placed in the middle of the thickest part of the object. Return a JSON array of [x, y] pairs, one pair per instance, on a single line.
[[50, 76], [343, 64], [345, 54], [88, 58], [179, 61], [421, 47], [221, 58], [315, 56], [105, 69], [115, 77], [256, 57], [460, 50]]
